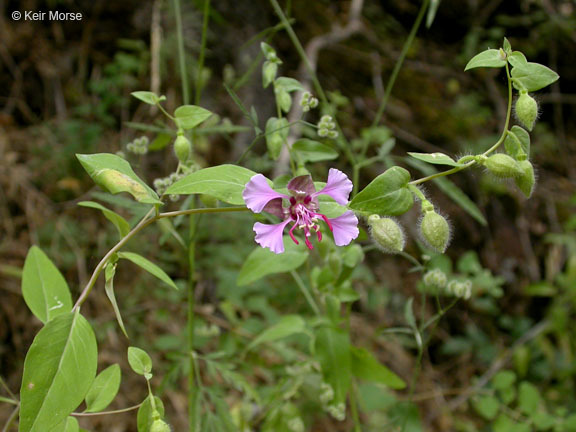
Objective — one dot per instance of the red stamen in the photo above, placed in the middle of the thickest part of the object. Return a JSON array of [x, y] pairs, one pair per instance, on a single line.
[[325, 220], [309, 244], [292, 234], [319, 234]]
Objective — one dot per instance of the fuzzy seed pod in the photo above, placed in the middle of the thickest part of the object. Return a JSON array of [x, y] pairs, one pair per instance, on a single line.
[[526, 110], [527, 180], [435, 231], [502, 165], [387, 233], [182, 148]]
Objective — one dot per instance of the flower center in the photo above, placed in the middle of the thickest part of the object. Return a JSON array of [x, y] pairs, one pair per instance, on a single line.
[[303, 211]]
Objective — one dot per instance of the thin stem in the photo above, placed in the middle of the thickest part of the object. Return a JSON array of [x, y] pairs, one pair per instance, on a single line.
[[306, 292], [487, 152], [206, 17], [191, 302], [3, 384], [399, 62], [354, 407], [11, 419], [181, 53], [141, 225], [118, 411], [166, 113]]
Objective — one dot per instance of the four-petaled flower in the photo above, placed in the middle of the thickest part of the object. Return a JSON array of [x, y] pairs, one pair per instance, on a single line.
[[301, 209]]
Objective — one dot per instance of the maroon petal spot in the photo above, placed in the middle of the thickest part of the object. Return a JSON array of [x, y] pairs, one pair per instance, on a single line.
[[301, 185]]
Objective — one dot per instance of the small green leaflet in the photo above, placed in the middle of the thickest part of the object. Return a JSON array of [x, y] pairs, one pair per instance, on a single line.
[[44, 289], [263, 262], [287, 326], [387, 194], [276, 135], [435, 158], [517, 142], [119, 222], [313, 151], [109, 272], [365, 366], [104, 389], [58, 371], [332, 349], [139, 361], [224, 182], [532, 76], [148, 97], [190, 116], [149, 266], [490, 58], [487, 406], [115, 175]]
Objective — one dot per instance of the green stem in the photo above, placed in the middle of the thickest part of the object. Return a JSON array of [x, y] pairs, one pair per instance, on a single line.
[[206, 17], [487, 152], [191, 301], [118, 411], [11, 419], [399, 63], [146, 220], [181, 53], [306, 292], [166, 113], [354, 407]]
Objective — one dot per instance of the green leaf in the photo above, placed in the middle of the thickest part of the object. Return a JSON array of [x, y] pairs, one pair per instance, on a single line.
[[119, 222], [263, 262], [287, 326], [225, 182], [435, 158], [367, 367], [44, 289], [149, 266], [69, 424], [517, 59], [276, 133], [139, 361], [490, 58], [503, 380], [453, 191], [517, 142], [144, 417], [269, 71], [109, 272], [532, 76], [104, 389], [288, 84], [161, 141], [313, 151], [431, 14], [148, 97], [190, 116], [409, 313], [114, 174], [543, 421], [332, 348], [58, 371], [387, 194], [487, 406], [528, 398]]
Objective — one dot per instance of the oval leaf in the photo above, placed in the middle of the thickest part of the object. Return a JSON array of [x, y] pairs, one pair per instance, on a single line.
[[139, 361], [532, 76], [225, 182], [58, 371], [149, 266], [119, 222], [190, 116], [263, 262], [148, 97], [287, 326], [44, 288], [435, 158], [104, 389], [115, 175], [490, 58], [313, 151], [144, 417], [365, 366], [276, 134], [387, 194]]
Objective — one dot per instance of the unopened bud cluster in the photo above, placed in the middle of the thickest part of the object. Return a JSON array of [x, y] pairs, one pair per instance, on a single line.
[[435, 279], [161, 184], [460, 289], [139, 146], [326, 127], [296, 425], [338, 411], [308, 102]]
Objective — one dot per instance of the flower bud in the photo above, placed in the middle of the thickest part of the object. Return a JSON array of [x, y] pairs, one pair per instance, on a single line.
[[435, 231], [502, 165], [182, 148], [159, 425], [526, 110], [387, 233], [435, 278], [527, 180]]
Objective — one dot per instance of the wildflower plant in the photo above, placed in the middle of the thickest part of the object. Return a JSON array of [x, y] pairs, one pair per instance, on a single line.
[[60, 369]]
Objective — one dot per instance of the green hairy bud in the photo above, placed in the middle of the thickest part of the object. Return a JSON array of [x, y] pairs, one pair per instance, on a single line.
[[526, 110], [435, 231], [182, 148], [160, 425], [502, 165], [435, 278], [387, 233], [527, 180]]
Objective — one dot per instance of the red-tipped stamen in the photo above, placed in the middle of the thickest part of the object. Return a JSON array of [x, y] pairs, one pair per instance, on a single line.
[[308, 244], [325, 220], [292, 234]]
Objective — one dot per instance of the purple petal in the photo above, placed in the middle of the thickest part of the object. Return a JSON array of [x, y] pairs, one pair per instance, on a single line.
[[301, 185], [275, 207], [344, 228], [258, 193], [271, 236], [338, 186]]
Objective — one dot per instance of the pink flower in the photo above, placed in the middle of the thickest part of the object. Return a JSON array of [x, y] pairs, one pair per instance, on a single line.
[[301, 209]]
